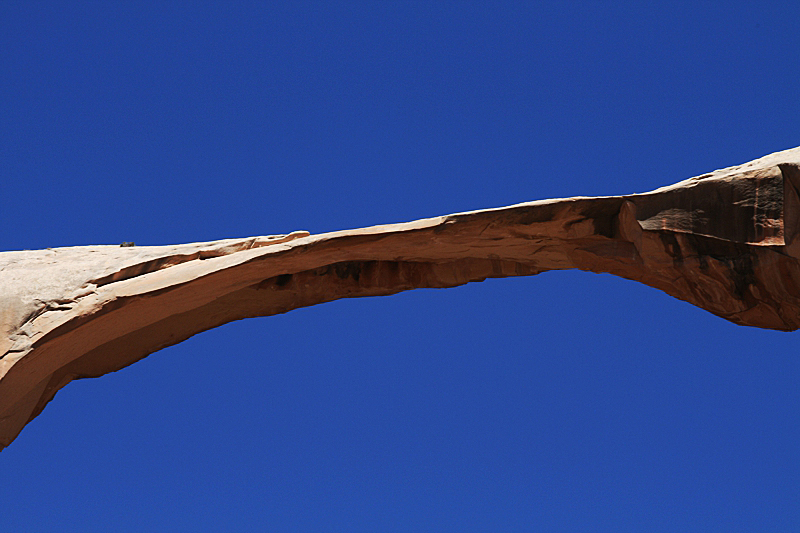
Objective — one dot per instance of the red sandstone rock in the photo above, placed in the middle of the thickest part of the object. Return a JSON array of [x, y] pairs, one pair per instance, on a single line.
[[725, 241]]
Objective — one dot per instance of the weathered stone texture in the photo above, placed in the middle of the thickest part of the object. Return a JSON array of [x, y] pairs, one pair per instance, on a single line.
[[725, 241]]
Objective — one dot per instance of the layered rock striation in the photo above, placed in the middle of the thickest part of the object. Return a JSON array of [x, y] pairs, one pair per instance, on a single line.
[[724, 241]]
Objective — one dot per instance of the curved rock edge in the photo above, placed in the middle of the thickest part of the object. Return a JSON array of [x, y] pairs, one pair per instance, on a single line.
[[724, 241]]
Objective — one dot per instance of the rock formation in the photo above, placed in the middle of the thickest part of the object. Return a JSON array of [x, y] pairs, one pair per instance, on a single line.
[[724, 241]]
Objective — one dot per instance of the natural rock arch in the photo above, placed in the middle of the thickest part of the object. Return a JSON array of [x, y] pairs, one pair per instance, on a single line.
[[724, 241]]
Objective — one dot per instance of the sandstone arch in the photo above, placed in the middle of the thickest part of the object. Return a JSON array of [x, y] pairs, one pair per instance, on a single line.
[[724, 241]]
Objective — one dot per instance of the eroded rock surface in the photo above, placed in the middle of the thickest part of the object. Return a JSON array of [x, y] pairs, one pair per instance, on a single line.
[[725, 241]]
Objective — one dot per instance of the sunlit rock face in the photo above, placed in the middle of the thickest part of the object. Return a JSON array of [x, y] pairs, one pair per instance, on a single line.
[[724, 241]]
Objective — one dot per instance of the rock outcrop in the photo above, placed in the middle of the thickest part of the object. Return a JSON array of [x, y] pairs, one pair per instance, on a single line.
[[725, 241]]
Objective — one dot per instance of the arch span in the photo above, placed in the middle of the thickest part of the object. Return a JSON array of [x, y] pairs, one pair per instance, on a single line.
[[724, 241]]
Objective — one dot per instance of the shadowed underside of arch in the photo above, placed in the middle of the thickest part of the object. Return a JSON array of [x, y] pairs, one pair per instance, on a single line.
[[724, 241]]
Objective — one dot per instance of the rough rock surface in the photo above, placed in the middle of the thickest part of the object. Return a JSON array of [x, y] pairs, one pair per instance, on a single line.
[[724, 241]]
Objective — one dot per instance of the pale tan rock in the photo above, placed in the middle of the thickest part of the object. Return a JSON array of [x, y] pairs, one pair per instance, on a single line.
[[725, 241]]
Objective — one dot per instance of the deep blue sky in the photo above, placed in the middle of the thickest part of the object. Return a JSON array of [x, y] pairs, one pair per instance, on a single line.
[[567, 401]]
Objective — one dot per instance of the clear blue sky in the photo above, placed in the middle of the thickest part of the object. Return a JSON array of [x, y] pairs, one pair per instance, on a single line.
[[568, 401]]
